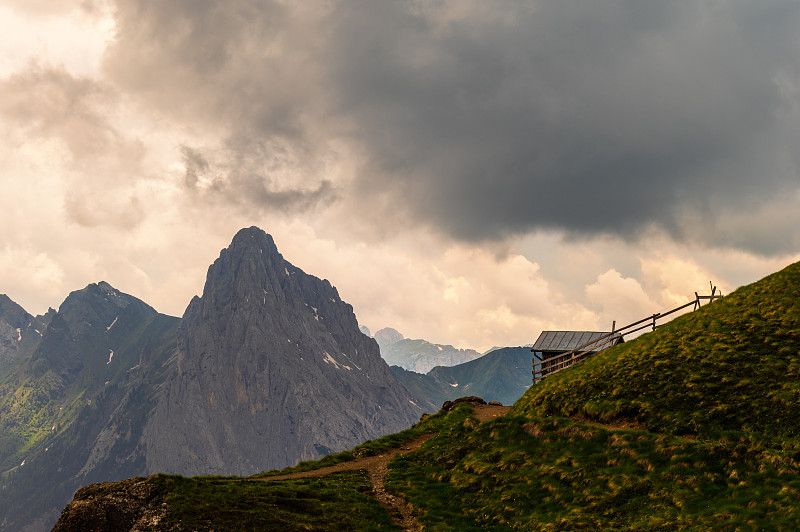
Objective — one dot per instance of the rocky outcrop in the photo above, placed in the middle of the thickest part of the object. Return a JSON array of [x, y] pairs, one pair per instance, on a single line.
[[471, 400], [131, 505], [271, 369]]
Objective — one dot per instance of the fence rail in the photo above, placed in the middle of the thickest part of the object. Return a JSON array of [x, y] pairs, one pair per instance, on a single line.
[[579, 354]]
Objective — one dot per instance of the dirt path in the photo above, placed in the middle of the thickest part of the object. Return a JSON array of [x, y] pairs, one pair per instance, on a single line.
[[489, 412], [376, 467]]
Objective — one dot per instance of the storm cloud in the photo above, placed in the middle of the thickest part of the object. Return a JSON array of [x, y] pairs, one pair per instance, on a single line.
[[465, 171], [488, 120]]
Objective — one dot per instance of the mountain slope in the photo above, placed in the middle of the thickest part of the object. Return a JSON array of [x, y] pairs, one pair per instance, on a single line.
[[272, 368], [501, 375], [691, 426], [73, 412], [428, 393], [734, 365]]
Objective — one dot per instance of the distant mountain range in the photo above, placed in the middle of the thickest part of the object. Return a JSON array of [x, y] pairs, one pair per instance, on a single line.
[[502, 375], [419, 356], [436, 373], [268, 367]]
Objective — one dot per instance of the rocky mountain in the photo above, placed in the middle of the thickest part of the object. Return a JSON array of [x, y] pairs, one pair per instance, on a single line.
[[387, 336], [72, 412], [271, 368], [419, 356], [502, 375], [267, 368]]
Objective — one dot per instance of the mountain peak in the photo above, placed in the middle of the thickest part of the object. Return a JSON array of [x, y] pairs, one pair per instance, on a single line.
[[270, 346], [11, 312], [253, 237], [387, 336]]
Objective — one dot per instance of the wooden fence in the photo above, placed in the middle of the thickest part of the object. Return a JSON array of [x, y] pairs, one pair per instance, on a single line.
[[579, 354]]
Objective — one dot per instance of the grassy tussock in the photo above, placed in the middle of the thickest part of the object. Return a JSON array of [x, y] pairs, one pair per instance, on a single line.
[[555, 474], [336, 502]]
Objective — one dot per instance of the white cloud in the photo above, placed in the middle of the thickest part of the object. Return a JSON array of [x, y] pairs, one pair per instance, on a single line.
[[31, 276], [72, 37], [623, 298], [461, 295]]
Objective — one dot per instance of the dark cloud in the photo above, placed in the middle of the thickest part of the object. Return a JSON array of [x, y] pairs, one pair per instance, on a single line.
[[249, 182], [244, 68], [599, 117], [485, 120]]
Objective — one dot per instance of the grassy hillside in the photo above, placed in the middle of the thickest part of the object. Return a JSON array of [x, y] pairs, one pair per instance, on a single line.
[[733, 365], [338, 502]]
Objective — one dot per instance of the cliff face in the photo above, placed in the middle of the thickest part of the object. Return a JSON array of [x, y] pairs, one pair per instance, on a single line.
[[271, 369]]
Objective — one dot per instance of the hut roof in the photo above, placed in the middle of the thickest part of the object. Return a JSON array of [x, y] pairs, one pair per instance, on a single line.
[[562, 341]]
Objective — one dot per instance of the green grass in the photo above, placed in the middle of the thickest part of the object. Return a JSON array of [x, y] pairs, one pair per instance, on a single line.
[[555, 474], [340, 501]]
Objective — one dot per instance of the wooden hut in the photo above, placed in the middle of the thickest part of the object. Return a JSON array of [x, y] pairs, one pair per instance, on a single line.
[[553, 343]]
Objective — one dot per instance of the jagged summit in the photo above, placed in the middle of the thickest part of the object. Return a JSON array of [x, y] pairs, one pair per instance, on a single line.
[[253, 237], [19, 331], [97, 305], [271, 368]]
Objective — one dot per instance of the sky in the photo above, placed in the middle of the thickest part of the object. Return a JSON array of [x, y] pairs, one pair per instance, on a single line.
[[466, 172]]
